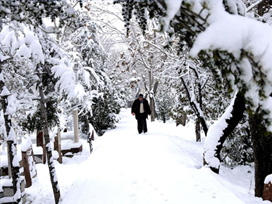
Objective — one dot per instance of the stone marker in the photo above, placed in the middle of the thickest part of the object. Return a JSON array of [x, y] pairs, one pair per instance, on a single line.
[[76, 134]]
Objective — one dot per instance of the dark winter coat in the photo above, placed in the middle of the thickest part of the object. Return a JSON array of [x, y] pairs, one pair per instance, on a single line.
[[136, 109]]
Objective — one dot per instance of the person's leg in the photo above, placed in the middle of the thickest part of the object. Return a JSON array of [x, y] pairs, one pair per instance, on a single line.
[[140, 125], [144, 125]]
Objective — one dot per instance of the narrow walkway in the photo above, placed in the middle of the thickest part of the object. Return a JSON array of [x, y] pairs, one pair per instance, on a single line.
[[154, 168]]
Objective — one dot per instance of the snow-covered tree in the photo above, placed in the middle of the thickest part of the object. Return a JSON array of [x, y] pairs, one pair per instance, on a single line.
[[164, 104], [30, 42], [24, 45], [145, 63], [108, 16], [242, 61], [33, 12], [80, 38]]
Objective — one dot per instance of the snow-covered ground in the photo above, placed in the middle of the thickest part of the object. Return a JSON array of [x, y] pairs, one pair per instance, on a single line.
[[162, 166]]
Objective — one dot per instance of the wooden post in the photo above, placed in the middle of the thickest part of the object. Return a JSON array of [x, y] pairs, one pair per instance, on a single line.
[[57, 146], [26, 169], [76, 134], [9, 159], [28, 161], [89, 140], [267, 191], [184, 118], [39, 139], [40, 143]]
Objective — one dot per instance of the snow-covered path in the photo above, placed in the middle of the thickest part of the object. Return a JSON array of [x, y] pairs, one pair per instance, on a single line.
[[153, 168]]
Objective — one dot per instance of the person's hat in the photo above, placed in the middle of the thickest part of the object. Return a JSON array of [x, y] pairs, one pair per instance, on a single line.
[[141, 95]]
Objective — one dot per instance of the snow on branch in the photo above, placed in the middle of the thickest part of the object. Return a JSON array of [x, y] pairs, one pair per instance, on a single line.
[[21, 41], [67, 79], [253, 5], [249, 42], [17, 39], [172, 8], [268, 179]]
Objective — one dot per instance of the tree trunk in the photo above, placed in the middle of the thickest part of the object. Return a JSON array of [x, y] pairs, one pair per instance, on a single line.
[[194, 107], [152, 108], [164, 117], [203, 123], [197, 130], [262, 147], [152, 93], [50, 162], [236, 116]]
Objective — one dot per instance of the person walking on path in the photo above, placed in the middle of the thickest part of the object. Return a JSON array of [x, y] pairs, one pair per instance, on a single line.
[[141, 110]]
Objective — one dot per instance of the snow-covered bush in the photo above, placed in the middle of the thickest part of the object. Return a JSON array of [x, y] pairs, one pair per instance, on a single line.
[[104, 112], [164, 105]]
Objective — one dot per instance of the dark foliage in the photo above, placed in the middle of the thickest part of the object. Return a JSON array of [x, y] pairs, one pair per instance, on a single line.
[[34, 121], [103, 114]]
